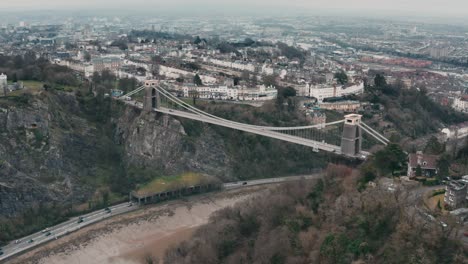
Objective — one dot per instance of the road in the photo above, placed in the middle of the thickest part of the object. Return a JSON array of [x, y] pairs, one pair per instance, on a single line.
[[36, 239], [65, 228], [293, 139]]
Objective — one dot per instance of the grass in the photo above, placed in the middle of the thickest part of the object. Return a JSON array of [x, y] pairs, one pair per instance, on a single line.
[[174, 182], [33, 87], [433, 201]]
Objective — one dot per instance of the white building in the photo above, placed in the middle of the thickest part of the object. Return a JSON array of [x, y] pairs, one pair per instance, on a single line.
[[461, 104], [267, 70], [322, 92], [174, 73], [459, 131], [3, 83], [86, 68], [259, 93], [241, 66]]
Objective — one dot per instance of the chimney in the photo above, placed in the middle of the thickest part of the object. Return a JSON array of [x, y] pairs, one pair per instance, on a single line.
[[419, 154]]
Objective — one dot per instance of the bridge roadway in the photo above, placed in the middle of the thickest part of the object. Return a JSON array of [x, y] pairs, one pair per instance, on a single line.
[[263, 132], [246, 128], [72, 225]]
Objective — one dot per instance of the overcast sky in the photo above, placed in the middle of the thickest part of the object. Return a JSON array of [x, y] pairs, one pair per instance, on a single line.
[[420, 7]]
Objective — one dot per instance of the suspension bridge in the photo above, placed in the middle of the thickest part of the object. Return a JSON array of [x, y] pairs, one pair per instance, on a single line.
[[343, 137]]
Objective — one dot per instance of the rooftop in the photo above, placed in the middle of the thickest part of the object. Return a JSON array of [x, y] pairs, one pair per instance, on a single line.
[[423, 160], [170, 183]]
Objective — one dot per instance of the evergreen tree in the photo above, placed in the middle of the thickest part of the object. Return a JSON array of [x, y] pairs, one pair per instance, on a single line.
[[341, 77], [197, 80], [418, 171], [379, 81]]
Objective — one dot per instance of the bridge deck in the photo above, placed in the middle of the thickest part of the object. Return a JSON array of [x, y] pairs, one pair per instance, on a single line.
[[257, 131]]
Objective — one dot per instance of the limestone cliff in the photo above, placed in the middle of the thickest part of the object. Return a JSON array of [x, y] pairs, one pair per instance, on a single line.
[[52, 150], [160, 142], [45, 151]]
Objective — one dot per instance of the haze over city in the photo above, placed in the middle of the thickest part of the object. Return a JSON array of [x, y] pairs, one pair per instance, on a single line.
[[415, 7]]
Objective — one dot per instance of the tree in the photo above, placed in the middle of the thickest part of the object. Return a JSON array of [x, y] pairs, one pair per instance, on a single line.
[[197, 40], [197, 80], [15, 78], [236, 80], [157, 59], [141, 71], [434, 147], [120, 43], [287, 92], [127, 84], [418, 171], [379, 81], [87, 56], [248, 42], [269, 80], [291, 52], [341, 77], [443, 167], [390, 159]]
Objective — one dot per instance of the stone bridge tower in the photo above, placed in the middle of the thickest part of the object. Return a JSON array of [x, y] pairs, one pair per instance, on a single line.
[[152, 97], [351, 141]]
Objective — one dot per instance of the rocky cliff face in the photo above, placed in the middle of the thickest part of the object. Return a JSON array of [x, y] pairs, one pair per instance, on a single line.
[[50, 150], [160, 142], [46, 149]]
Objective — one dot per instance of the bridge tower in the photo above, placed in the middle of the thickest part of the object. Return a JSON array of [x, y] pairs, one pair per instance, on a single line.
[[152, 98], [351, 141]]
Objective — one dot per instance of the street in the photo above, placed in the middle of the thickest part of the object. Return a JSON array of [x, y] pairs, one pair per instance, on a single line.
[[60, 230]]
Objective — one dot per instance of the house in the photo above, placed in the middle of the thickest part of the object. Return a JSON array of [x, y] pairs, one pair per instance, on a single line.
[[427, 163], [455, 194]]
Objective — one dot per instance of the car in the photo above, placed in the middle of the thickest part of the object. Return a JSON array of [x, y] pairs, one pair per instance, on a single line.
[[17, 241], [1, 253], [48, 234], [45, 231], [108, 210], [80, 220], [130, 204], [244, 183], [31, 241]]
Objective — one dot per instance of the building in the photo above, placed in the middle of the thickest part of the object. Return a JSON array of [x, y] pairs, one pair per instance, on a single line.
[[439, 52], [107, 63], [461, 103], [455, 194], [427, 163], [343, 106], [259, 93], [322, 92], [458, 131], [3, 84], [237, 65]]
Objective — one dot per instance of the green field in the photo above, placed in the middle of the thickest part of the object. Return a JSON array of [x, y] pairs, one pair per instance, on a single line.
[[174, 182], [35, 87]]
